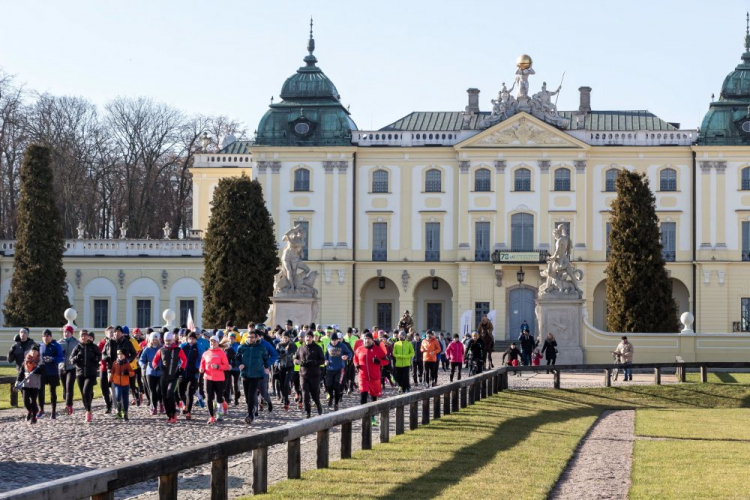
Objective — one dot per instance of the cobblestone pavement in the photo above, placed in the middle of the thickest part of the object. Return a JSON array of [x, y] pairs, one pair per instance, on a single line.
[[55, 449]]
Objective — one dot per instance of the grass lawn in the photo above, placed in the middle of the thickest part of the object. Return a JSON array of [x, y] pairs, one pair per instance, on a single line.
[[706, 454], [484, 450], [5, 392], [720, 378], [7, 370]]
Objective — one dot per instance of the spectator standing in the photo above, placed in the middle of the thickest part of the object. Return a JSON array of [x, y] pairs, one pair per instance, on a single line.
[[625, 351], [549, 349]]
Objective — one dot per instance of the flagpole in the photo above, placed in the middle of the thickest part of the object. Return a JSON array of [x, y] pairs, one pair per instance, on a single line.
[[558, 93]]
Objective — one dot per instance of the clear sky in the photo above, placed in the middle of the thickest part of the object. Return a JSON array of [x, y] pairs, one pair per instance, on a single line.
[[387, 58]]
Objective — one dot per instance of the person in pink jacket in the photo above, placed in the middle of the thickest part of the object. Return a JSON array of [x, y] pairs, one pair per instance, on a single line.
[[213, 365], [455, 353]]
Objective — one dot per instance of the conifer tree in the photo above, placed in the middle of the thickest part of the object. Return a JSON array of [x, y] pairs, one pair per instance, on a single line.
[[239, 255], [639, 294], [38, 289]]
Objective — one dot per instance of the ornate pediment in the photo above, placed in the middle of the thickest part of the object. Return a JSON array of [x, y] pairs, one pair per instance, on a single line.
[[523, 131]]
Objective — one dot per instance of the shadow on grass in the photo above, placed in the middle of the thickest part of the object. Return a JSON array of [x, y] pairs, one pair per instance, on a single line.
[[470, 459], [726, 378]]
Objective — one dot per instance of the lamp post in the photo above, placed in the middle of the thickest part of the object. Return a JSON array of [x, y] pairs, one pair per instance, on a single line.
[[520, 275]]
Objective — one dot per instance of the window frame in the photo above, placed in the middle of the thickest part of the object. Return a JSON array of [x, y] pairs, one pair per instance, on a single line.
[[381, 186], [302, 185], [430, 253], [616, 172], [482, 254], [483, 185], [191, 309], [105, 322], [521, 226], [526, 182], [745, 179], [668, 180], [669, 255], [138, 322], [433, 185], [564, 184], [380, 254]]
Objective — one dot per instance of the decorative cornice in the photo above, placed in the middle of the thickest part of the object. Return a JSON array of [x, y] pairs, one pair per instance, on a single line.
[[275, 167], [720, 167], [464, 166], [500, 166], [580, 166], [329, 166], [544, 166], [705, 167], [342, 166]]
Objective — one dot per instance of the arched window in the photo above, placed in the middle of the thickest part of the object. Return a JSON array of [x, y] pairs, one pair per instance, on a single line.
[[433, 181], [302, 179], [611, 179], [562, 179], [746, 178], [523, 179], [482, 180], [668, 180], [522, 232], [380, 181]]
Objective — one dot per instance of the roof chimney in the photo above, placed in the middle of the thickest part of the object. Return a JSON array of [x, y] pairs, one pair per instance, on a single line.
[[473, 106], [585, 103]]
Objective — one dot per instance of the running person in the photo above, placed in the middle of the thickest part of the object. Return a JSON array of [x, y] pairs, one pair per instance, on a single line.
[[368, 359], [171, 359], [286, 349], [310, 358], [254, 361], [67, 368], [455, 353], [337, 353], [153, 374], [86, 357], [51, 356], [189, 379], [214, 364], [403, 352], [430, 349]]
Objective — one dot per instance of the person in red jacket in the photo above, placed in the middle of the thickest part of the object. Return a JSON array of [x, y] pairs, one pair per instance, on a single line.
[[368, 360]]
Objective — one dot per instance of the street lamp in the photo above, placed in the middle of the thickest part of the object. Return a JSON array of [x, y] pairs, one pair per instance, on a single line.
[[520, 275]]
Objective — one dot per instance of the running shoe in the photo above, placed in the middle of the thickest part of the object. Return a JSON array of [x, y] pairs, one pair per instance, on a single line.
[[117, 415], [69, 409], [53, 416], [153, 411], [374, 421], [161, 408], [286, 407], [336, 407], [33, 420], [108, 410], [89, 417], [133, 402], [201, 403], [125, 417], [226, 406], [248, 420], [270, 407], [41, 414], [187, 416], [211, 421], [172, 420]]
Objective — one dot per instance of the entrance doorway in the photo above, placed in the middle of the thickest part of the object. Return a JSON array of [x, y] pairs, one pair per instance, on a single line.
[[521, 308]]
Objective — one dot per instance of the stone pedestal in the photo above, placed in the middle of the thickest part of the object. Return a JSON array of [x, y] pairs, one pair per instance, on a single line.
[[300, 310], [563, 317]]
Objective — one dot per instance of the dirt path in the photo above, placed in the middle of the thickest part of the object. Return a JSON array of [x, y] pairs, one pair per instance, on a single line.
[[600, 467]]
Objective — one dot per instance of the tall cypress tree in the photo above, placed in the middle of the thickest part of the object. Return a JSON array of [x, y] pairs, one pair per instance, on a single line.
[[37, 290], [239, 254], [639, 294]]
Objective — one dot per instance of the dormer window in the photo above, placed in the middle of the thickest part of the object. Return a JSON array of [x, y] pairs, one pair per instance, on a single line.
[[302, 128]]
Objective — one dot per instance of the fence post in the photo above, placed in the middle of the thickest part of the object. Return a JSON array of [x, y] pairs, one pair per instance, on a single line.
[[463, 397], [556, 383], [704, 374], [484, 389], [260, 470], [607, 377], [657, 376], [425, 411], [366, 433], [436, 407], [683, 377], [491, 386], [13, 395], [323, 448], [346, 440], [447, 403], [220, 479], [294, 458], [399, 420], [454, 400], [168, 486], [413, 415], [385, 426], [109, 495], [471, 393]]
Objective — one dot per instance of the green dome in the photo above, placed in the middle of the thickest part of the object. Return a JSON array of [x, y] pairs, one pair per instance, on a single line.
[[310, 112], [727, 122]]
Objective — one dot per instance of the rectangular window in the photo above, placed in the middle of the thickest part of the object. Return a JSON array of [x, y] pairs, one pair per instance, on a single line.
[[482, 241], [668, 232], [745, 315], [480, 309], [101, 313], [143, 313], [432, 242], [185, 306], [434, 316], [746, 241], [305, 226], [385, 315], [380, 241], [606, 238]]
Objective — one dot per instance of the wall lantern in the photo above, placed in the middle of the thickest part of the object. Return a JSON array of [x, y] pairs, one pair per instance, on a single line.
[[381, 283], [520, 275], [435, 283]]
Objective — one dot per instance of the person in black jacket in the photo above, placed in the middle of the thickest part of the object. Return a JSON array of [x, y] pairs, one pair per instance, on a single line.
[[528, 343], [118, 342], [189, 381], [549, 349], [17, 353], [86, 358], [287, 350], [475, 354], [510, 357], [310, 358]]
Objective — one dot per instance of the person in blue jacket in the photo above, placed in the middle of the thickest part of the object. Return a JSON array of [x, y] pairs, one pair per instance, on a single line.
[[254, 361], [336, 354], [273, 357], [153, 375], [51, 355]]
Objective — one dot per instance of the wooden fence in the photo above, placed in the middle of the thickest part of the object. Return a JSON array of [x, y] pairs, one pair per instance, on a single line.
[[449, 398]]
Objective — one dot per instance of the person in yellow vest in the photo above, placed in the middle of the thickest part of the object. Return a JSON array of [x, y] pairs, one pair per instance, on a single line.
[[403, 352], [296, 379]]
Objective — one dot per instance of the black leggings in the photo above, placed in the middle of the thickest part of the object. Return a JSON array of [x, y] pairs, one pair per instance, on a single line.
[[311, 390], [154, 391], [551, 361], [232, 385], [168, 388], [333, 383], [30, 401], [455, 365], [86, 386], [214, 389], [285, 377], [363, 397], [250, 386], [187, 391], [52, 381], [104, 384], [68, 382], [430, 372], [417, 367]]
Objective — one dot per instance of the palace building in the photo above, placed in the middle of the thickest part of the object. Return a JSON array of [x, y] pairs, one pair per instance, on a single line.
[[449, 214]]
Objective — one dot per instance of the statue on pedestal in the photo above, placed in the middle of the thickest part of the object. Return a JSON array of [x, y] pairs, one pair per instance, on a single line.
[[167, 230], [81, 230], [294, 276], [123, 230], [561, 276]]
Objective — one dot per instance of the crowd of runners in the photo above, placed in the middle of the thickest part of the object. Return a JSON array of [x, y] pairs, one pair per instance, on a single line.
[[176, 371]]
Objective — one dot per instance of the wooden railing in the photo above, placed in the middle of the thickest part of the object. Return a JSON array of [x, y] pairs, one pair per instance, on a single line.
[[449, 398]]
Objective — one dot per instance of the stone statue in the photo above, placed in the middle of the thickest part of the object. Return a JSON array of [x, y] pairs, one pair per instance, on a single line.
[[522, 79], [294, 276], [123, 230], [543, 108], [167, 230], [504, 106], [561, 276], [81, 230]]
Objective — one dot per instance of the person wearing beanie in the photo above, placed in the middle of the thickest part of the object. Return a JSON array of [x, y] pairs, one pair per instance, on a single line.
[[254, 361], [336, 355], [119, 341], [107, 390], [310, 358], [17, 354], [455, 353], [67, 368], [119, 377], [136, 389], [403, 352], [189, 380], [171, 359], [86, 357], [51, 356], [286, 350], [232, 385], [153, 375], [214, 364], [368, 360]]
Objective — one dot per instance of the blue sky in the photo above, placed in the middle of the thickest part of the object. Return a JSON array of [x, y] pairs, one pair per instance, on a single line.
[[386, 58]]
